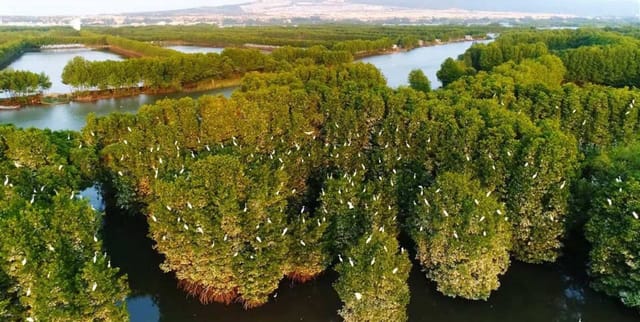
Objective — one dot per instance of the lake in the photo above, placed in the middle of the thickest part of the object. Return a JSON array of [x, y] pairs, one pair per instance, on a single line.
[[529, 293], [52, 62], [188, 49]]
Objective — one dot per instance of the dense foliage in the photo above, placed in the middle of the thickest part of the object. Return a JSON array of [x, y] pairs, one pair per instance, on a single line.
[[52, 265], [353, 38], [22, 83], [614, 226], [315, 163]]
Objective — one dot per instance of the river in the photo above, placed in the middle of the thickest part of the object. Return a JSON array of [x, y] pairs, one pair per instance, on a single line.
[[396, 67], [529, 293]]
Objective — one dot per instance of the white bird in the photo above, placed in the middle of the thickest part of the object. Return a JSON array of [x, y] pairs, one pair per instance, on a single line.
[[185, 226], [488, 193], [395, 270], [259, 239], [340, 258], [445, 213], [562, 185], [351, 262], [29, 291], [284, 231], [635, 215], [498, 212], [95, 238], [482, 219], [93, 288], [369, 239], [24, 261], [154, 218], [358, 296], [426, 202], [476, 201], [308, 133], [128, 129], [168, 208], [30, 319], [33, 196], [455, 234], [373, 261], [6, 180], [609, 201], [350, 204], [95, 257], [302, 242], [199, 230], [535, 175], [189, 205]]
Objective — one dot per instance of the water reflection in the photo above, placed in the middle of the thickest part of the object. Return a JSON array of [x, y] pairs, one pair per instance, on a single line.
[[155, 297], [196, 49], [396, 67], [52, 62], [95, 197], [72, 116]]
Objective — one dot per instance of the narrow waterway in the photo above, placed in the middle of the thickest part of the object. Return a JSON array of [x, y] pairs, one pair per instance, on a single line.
[[189, 49]]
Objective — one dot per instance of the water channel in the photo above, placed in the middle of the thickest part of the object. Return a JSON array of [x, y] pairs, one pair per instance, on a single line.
[[554, 293]]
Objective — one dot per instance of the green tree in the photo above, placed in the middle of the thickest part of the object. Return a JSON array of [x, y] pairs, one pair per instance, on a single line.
[[419, 81], [462, 237]]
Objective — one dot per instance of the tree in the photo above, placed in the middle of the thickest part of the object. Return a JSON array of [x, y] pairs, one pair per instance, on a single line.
[[614, 225], [419, 81], [451, 70], [462, 237]]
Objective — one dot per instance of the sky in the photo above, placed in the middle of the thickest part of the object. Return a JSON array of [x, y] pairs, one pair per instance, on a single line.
[[87, 7], [81, 7]]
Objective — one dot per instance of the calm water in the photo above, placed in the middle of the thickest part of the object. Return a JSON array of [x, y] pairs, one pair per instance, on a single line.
[[396, 67], [52, 62], [72, 116], [529, 293], [196, 49]]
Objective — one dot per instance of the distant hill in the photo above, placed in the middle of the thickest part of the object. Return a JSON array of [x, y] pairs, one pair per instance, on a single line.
[[208, 10], [575, 7]]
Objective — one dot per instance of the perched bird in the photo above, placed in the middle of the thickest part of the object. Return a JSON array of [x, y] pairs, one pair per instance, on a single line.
[[358, 296]]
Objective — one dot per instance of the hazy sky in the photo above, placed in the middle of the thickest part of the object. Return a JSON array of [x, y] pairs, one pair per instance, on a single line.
[[79, 7]]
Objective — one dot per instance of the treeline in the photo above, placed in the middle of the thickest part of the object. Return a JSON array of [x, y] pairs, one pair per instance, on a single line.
[[331, 36], [590, 56], [180, 70], [23, 83], [52, 265]]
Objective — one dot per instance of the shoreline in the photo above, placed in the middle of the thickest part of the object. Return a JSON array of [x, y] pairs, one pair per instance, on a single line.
[[204, 85], [92, 96]]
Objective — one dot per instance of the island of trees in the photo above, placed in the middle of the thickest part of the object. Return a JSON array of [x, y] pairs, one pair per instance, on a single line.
[[314, 163]]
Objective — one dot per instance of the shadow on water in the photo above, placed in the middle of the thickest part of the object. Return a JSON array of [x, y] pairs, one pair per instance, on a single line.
[[529, 293], [155, 296]]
